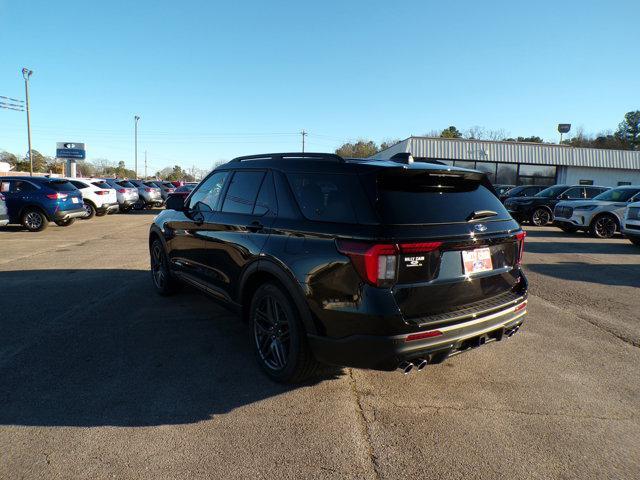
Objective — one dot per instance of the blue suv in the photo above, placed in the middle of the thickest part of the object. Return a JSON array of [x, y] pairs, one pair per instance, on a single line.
[[36, 201]]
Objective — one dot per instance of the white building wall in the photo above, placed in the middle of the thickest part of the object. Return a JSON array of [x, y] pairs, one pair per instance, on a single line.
[[606, 177]]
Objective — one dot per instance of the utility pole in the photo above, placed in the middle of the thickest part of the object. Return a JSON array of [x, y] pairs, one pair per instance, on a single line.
[[135, 129], [145, 164], [304, 134], [26, 73]]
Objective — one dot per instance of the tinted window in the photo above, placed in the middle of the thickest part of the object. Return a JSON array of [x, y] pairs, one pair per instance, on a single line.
[[102, 185], [530, 191], [328, 197], [78, 184], [414, 199], [575, 192], [592, 192], [617, 194], [61, 186], [242, 192], [208, 193], [266, 201], [126, 184], [185, 188], [21, 186], [551, 191]]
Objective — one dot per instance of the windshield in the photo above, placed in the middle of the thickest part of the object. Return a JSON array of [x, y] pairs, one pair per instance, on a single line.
[[551, 191], [617, 194]]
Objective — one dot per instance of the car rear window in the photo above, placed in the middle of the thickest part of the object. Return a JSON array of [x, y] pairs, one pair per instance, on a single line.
[[126, 184], [331, 197], [102, 185], [61, 186], [410, 197]]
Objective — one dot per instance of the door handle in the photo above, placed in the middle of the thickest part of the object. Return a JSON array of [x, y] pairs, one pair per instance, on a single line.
[[255, 226]]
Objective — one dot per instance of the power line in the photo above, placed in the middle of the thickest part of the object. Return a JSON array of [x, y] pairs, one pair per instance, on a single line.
[[11, 99]]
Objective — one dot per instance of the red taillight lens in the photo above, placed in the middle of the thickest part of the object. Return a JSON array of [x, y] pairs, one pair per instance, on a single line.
[[102, 192], [122, 190], [56, 196], [422, 335], [148, 189], [375, 263], [520, 307], [520, 246], [420, 247]]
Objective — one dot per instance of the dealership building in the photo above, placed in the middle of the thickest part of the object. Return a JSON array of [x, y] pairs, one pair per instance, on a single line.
[[519, 163]]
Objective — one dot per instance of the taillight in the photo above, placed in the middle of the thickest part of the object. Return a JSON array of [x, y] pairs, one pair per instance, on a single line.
[[147, 189], [56, 196], [422, 335], [419, 247], [376, 263], [122, 190], [102, 192], [520, 246]]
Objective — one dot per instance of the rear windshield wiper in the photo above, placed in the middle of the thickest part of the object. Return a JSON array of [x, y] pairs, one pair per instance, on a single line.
[[478, 214]]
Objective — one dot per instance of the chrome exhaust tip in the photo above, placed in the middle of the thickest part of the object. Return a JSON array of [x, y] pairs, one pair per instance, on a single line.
[[420, 363], [405, 367]]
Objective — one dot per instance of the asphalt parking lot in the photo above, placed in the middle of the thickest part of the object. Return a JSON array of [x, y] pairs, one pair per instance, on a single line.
[[102, 378]]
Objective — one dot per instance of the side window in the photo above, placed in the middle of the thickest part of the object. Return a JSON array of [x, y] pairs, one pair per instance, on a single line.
[[575, 192], [529, 192], [4, 187], [207, 194], [266, 201], [242, 192], [21, 186], [592, 192]]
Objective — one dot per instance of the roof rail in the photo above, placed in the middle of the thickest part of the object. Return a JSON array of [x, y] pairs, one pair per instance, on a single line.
[[332, 157]]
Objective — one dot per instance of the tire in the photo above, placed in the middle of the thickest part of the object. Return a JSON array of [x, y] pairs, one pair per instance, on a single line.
[[100, 214], [34, 220], [279, 338], [90, 209], [125, 208], [163, 281], [65, 223], [569, 229], [138, 206], [603, 226], [541, 217]]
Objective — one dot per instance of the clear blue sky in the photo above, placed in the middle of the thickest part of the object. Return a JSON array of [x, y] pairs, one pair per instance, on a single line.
[[215, 79]]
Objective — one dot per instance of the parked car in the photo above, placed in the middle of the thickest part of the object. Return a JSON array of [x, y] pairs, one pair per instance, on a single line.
[[36, 201], [126, 193], [329, 261], [538, 210], [98, 200], [147, 196], [4, 214], [631, 223], [183, 191], [522, 191], [601, 216], [177, 183], [502, 189], [166, 188]]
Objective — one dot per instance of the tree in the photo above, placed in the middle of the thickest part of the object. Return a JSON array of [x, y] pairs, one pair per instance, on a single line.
[[480, 133], [9, 158], [360, 149], [532, 139], [629, 130], [388, 144], [451, 132]]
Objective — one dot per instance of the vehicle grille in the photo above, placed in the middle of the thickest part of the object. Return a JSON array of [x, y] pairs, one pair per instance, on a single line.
[[563, 212], [463, 312], [634, 214]]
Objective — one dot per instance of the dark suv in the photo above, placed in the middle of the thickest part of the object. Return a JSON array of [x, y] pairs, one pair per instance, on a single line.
[[538, 210], [360, 263]]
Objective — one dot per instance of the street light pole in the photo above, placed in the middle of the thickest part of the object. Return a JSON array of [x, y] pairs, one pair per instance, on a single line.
[[136, 118], [26, 73]]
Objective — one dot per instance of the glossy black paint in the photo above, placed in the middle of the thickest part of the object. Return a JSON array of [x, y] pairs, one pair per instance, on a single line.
[[228, 255]]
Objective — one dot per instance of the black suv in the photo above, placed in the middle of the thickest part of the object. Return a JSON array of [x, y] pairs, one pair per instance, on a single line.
[[360, 263], [538, 210], [521, 191]]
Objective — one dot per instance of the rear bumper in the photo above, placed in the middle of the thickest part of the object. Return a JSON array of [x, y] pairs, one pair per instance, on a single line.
[[69, 214], [108, 207], [386, 353]]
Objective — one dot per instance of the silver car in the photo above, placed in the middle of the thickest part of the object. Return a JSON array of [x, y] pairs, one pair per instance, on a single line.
[[601, 216], [631, 223], [148, 196], [126, 193]]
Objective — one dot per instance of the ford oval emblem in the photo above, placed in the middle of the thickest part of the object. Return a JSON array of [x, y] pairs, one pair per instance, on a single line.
[[480, 227]]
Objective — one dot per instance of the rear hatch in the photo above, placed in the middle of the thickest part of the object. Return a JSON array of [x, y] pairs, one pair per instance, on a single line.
[[455, 246], [67, 196]]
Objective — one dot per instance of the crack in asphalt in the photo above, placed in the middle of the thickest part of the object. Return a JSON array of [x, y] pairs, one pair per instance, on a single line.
[[364, 427]]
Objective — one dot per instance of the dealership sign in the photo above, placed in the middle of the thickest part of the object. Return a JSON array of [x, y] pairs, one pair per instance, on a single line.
[[71, 150]]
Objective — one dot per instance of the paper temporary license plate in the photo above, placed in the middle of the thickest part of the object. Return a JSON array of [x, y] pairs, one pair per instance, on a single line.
[[74, 200], [476, 261]]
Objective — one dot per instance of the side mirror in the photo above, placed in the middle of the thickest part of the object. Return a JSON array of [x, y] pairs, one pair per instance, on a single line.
[[176, 202]]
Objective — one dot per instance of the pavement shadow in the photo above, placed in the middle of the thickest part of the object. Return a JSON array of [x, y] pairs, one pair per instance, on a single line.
[[603, 274], [99, 347]]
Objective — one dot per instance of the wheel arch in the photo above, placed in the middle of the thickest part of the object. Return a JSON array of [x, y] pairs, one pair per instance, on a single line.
[[264, 270], [33, 206], [606, 214]]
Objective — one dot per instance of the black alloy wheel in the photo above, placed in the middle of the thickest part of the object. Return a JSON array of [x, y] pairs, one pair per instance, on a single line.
[[604, 226], [163, 280], [271, 332]]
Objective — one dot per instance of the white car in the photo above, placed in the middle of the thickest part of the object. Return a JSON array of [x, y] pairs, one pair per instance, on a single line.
[[98, 199], [631, 223]]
